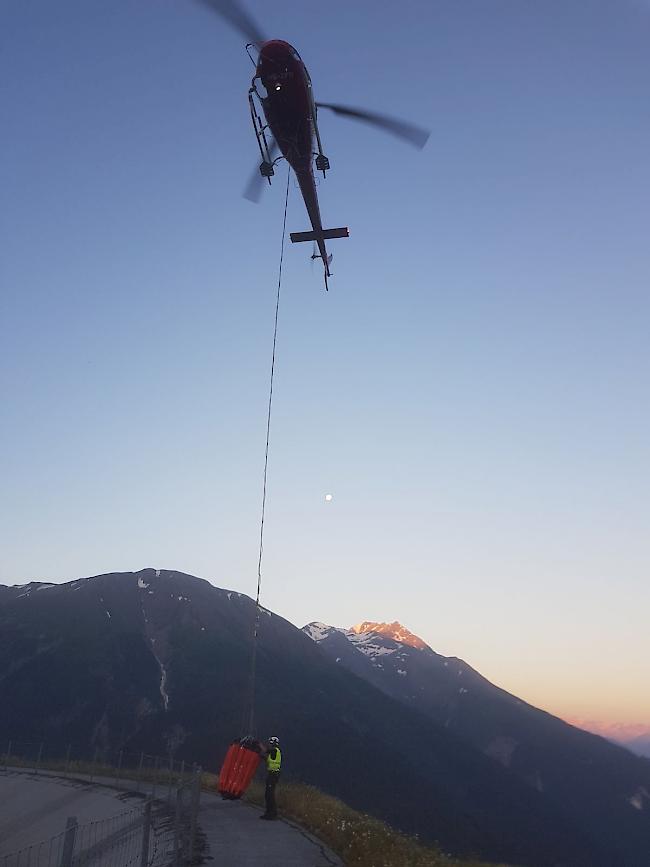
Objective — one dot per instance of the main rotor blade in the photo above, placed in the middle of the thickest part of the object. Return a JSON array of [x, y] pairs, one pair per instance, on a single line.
[[415, 135], [256, 182], [237, 17]]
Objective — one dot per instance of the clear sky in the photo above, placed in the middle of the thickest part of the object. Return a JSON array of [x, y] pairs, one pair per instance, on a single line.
[[473, 391]]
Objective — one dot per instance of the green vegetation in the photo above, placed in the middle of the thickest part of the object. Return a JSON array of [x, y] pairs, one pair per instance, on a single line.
[[94, 770], [359, 839]]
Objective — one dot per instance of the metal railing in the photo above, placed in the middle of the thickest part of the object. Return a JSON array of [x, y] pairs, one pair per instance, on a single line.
[[139, 768], [120, 841], [161, 830]]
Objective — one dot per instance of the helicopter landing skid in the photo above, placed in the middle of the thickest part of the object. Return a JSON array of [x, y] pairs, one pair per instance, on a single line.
[[267, 165]]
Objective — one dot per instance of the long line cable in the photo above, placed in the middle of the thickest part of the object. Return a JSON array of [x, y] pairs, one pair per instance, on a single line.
[[251, 716]]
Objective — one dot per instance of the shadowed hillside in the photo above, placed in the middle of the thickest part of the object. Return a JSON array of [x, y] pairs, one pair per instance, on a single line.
[[162, 659]]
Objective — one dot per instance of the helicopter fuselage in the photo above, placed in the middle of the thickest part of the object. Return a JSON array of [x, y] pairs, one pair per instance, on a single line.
[[288, 104]]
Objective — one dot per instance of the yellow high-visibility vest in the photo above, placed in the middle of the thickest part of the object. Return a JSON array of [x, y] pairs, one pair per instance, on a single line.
[[273, 765]]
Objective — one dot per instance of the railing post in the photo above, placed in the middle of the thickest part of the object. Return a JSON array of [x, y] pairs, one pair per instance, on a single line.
[[68, 842], [92, 767], [139, 776], [155, 776], [196, 803], [171, 778], [119, 769], [40, 755], [177, 827], [146, 833], [67, 760]]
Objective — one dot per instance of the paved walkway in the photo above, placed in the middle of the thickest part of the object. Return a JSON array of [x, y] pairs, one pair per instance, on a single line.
[[35, 807], [237, 838]]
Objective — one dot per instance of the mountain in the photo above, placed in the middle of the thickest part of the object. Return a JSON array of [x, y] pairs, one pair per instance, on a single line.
[[393, 630], [160, 661], [633, 736], [595, 784], [639, 745]]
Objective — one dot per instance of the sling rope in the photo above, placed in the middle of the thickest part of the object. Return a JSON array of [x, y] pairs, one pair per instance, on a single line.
[[251, 717]]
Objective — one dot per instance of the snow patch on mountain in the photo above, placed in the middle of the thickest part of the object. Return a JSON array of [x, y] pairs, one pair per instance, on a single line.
[[32, 585], [372, 639], [639, 798], [318, 631], [163, 676], [368, 646], [502, 749]]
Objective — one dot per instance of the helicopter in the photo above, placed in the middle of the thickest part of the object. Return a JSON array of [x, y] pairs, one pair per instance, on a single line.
[[285, 119]]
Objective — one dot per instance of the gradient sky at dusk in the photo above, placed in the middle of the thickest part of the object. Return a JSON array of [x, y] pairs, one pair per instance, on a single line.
[[473, 390]]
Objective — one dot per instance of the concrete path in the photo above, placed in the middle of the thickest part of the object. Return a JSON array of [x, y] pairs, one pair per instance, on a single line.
[[34, 807], [237, 838]]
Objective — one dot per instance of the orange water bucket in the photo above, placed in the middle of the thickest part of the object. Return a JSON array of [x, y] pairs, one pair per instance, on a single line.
[[238, 769]]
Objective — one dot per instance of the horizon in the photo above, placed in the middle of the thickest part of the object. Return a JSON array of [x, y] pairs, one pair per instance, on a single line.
[[611, 729], [468, 394]]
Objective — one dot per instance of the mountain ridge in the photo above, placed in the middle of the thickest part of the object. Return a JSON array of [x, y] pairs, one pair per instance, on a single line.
[[565, 763], [160, 659], [394, 630]]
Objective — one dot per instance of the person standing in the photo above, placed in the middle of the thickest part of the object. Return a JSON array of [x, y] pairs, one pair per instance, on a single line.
[[271, 752]]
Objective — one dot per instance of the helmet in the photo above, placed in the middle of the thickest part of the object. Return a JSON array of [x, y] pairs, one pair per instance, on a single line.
[[274, 741]]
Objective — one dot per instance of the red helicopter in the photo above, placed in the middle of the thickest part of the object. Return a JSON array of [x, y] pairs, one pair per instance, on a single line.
[[282, 88]]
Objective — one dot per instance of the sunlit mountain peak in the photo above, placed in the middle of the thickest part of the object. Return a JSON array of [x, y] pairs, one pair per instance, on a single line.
[[393, 630]]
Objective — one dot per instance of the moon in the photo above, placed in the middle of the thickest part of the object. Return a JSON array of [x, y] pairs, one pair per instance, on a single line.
[[328, 498]]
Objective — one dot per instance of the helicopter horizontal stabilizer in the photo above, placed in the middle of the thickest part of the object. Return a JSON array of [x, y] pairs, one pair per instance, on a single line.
[[324, 235]]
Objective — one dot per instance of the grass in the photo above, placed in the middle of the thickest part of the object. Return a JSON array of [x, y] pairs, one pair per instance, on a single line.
[[73, 768], [359, 840]]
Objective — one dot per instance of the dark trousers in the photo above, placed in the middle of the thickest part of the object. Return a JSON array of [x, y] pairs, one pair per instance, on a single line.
[[269, 794]]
